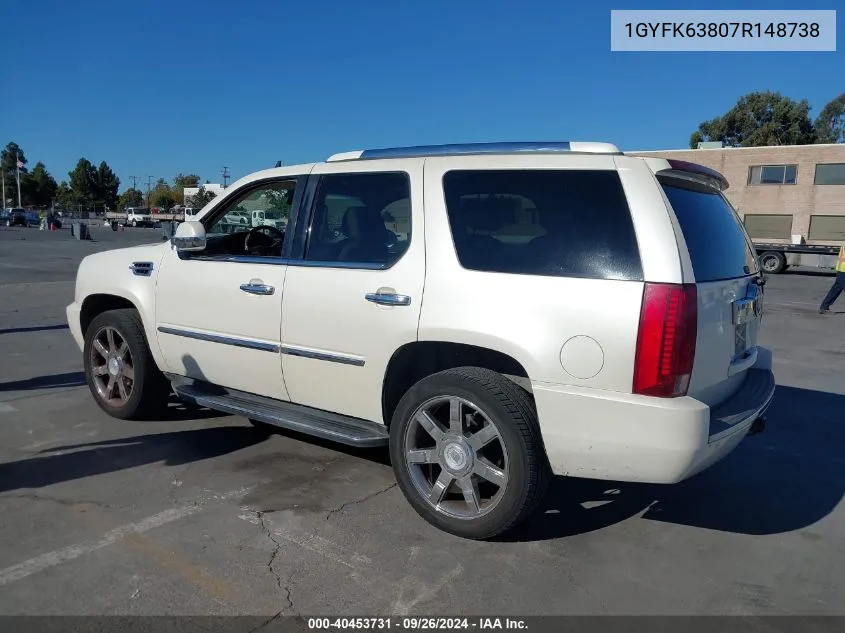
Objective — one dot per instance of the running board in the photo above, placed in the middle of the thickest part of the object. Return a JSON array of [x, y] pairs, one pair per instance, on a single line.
[[323, 424]]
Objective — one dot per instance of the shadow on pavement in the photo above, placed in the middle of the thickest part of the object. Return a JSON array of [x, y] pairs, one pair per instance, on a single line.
[[34, 328], [98, 458], [54, 381], [177, 411], [788, 478], [809, 273], [378, 455]]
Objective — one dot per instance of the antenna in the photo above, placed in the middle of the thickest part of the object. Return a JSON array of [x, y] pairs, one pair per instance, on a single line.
[[225, 176]]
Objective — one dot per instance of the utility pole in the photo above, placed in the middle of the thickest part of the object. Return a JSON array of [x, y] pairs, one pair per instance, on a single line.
[[18, 175], [149, 185], [134, 180], [225, 176]]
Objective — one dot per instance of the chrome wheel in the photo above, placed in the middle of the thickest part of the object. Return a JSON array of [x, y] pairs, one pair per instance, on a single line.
[[456, 457], [112, 367]]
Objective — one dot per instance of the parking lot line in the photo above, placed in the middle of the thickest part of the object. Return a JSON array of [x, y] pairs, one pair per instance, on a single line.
[[59, 556]]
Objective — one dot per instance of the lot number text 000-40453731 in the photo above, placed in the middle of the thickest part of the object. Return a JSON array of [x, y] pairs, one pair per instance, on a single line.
[[416, 623]]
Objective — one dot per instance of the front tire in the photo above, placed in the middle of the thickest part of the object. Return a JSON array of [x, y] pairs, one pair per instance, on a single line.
[[119, 368], [467, 452]]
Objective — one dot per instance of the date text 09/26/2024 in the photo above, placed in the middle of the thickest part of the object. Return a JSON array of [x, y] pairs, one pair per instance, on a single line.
[[416, 623]]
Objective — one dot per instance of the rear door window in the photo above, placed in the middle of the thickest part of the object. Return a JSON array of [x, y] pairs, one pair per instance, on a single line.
[[565, 223], [716, 239]]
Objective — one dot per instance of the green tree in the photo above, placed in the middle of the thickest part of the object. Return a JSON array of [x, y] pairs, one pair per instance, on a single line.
[[760, 118], [38, 187], [182, 180], [64, 196], [200, 199], [106, 184], [130, 198], [163, 198], [830, 124], [83, 183], [278, 201]]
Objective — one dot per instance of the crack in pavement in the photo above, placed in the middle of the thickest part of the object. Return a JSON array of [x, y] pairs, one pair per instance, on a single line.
[[270, 620], [372, 495], [277, 547], [64, 502]]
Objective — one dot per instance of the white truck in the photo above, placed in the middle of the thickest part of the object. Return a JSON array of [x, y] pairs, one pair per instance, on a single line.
[[548, 309], [776, 257], [133, 216], [260, 217]]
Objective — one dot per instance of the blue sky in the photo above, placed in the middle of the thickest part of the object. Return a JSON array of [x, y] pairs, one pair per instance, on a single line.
[[155, 88]]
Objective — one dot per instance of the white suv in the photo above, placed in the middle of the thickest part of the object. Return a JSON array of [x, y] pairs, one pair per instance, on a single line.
[[495, 313]]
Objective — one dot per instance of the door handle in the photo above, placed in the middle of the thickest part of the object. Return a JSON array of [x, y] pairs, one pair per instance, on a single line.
[[388, 299], [258, 289]]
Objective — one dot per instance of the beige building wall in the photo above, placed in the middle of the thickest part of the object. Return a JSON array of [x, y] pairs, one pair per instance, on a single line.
[[801, 200]]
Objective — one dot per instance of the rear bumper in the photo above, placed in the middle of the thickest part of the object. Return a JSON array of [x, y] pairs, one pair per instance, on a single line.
[[622, 437]]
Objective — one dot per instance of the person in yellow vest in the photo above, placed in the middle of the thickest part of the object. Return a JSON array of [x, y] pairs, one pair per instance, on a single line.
[[838, 284]]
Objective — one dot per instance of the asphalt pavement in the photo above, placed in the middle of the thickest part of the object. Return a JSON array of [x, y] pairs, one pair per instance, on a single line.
[[203, 514]]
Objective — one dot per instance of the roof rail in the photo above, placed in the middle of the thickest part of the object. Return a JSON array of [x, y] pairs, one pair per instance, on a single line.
[[555, 147]]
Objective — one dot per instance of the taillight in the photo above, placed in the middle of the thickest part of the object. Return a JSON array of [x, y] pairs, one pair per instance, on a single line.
[[666, 340]]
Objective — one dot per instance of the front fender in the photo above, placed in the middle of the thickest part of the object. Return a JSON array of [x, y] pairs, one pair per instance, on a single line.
[[113, 273]]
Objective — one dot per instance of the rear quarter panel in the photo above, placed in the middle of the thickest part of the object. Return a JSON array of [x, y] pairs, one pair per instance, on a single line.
[[530, 318]]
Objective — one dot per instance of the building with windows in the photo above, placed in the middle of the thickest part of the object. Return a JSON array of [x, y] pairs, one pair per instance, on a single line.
[[783, 193]]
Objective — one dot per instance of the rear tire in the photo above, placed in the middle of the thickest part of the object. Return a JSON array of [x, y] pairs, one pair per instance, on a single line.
[[773, 262], [120, 370], [467, 452]]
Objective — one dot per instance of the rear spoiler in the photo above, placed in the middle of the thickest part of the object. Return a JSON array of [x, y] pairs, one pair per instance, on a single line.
[[688, 171]]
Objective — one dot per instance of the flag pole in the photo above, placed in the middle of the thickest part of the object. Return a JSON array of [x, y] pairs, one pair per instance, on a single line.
[[18, 173]]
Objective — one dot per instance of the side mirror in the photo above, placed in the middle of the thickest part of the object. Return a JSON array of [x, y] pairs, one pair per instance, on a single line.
[[189, 236]]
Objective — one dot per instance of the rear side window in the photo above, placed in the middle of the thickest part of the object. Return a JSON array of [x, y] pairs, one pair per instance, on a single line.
[[716, 239], [565, 223]]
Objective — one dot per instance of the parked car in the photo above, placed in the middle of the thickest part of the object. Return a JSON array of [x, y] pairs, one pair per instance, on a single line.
[[18, 217], [493, 313]]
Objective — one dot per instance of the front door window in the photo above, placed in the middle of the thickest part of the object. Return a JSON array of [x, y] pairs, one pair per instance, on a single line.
[[230, 231]]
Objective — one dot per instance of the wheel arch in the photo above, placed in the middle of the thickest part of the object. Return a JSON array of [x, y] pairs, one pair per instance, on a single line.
[[414, 361], [113, 299]]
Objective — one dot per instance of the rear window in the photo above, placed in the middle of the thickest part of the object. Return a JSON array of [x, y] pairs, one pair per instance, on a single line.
[[715, 237], [565, 223]]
